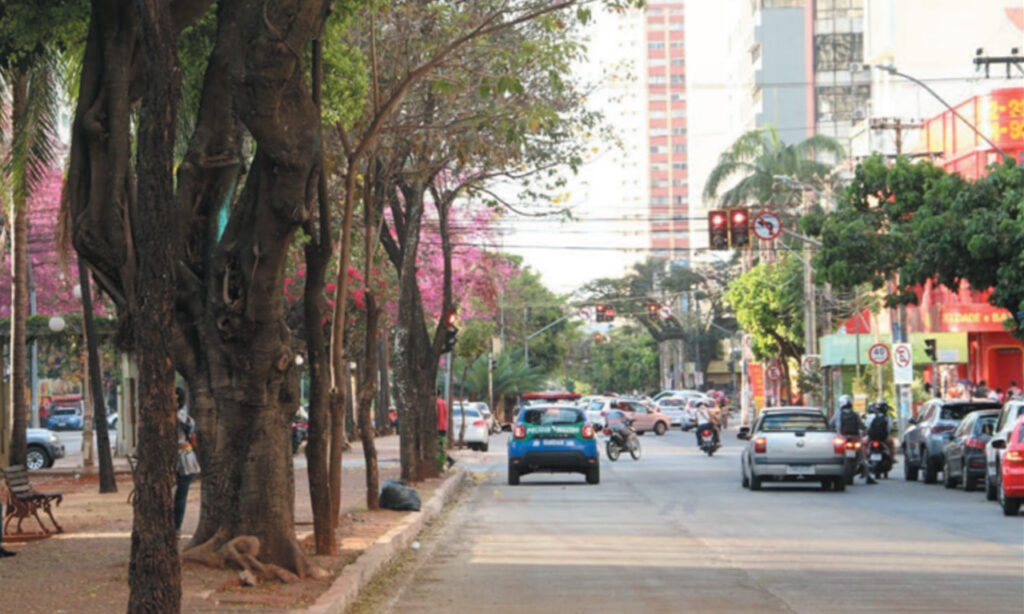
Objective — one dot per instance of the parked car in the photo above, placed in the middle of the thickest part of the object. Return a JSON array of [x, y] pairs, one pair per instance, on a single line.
[[793, 444], [1012, 411], [44, 447], [924, 442], [674, 408], [645, 417], [679, 394], [66, 417], [477, 435], [1011, 472], [965, 452], [554, 438], [492, 422]]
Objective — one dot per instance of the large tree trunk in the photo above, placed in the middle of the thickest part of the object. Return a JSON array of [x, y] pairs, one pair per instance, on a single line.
[[19, 281], [367, 390], [155, 573], [99, 405]]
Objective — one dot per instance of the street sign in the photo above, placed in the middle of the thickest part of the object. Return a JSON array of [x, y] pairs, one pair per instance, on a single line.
[[902, 364], [767, 226], [586, 313], [810, 363], [879, 353], [774, 373]]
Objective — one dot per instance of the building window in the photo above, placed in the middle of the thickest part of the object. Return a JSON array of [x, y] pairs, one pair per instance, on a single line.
[[659, 183], [657, 80], [678, 62], [678, 113], [655, 45], [657, 115], [679, 200], [658, 149], [837, 103], [679, 183], [678, 79], [679, 132], [656, 62], [659, 200], [679, 166], [675, 25], [678, 45], [678, 96], [829, 9], [679, 149], [657, 97], [659, 132], [838, 51]]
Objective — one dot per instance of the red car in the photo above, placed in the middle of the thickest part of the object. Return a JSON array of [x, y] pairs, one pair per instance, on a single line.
[[1011, 482]]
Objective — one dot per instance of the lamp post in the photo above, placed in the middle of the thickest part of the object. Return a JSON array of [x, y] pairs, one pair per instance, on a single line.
[[892, 71]]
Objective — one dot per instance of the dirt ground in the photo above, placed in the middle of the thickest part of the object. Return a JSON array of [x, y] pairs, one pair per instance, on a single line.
[[85, 569]]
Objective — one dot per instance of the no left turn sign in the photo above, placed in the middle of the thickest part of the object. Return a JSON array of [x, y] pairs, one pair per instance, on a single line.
[[879, 353], [902, 355], [774, 373]]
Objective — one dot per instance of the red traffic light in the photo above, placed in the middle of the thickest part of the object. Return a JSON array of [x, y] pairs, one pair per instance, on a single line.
[[451, 318], [739, 216], [717, 219]]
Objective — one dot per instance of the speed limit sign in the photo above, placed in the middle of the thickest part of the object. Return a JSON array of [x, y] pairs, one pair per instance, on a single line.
[[879, 353]]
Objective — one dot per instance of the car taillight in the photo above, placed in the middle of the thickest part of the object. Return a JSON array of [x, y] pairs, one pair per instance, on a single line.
[[938, 429], [852, 444], [479, 423], [760, 445], [874, 444], [587, 431], [1014, 457], [519, 432], [839, 445], [974, 442]]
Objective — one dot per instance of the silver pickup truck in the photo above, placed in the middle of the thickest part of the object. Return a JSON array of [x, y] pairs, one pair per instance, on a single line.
[[793, 444]]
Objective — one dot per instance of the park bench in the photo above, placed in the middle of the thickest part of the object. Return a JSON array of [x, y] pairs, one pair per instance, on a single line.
[[23, 500]]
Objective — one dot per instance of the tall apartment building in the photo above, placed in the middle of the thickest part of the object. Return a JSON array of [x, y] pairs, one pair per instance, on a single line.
[[666, 129]]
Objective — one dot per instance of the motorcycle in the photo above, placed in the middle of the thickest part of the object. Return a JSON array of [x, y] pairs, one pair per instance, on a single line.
[[621, 438], [879, 458], [853, 449], [708, 445]]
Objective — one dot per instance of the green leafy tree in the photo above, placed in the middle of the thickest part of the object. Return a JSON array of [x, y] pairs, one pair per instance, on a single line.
[[758, 157], [626, 362], [768, 301]]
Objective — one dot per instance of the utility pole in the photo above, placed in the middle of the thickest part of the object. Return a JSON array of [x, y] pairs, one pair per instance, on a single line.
[[898, 126]]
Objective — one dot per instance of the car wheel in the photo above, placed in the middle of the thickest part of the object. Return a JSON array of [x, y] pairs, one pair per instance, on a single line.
[[660, 428], [513, 475], [485, 446], [839, 484], [947, 476], [909, 470], [755, 482], [931, 471], [967, 483], [990, 489], [37, 458], [594, 475], [1010, 505]]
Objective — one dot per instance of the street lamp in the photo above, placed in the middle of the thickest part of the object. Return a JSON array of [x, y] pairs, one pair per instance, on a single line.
[[892, 71], [57, 324]]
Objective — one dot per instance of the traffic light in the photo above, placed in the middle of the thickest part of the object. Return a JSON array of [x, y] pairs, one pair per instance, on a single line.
[[652, 311], [739, 228], [718, 229], [450, 331], [929, 349], [609, 313], [599, 312]]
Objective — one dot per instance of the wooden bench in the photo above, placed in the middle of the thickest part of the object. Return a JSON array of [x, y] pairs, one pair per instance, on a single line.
[[23, 500]]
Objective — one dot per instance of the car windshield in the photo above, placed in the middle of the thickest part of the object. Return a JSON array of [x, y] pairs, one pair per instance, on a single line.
[[788, 423], [551, 415], [671, 403], [984, 420], [596, 405], [472, 413], [957, 412]]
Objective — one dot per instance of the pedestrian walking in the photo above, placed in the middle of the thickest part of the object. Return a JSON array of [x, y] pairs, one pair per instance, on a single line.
[[1012, 392], [188, 462]]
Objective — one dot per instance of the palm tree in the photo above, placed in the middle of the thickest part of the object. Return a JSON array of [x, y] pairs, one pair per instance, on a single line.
[[758, 157], [28, 138]]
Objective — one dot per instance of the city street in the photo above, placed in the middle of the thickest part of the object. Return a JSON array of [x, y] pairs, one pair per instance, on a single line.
[[675, 532]]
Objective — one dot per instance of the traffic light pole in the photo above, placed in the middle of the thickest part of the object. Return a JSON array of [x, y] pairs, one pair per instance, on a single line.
[[526, 342]]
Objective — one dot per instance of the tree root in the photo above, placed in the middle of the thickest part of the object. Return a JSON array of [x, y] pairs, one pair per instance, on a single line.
[[241, 553]]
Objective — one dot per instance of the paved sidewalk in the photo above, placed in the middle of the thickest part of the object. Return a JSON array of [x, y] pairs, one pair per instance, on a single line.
[[92, 556]]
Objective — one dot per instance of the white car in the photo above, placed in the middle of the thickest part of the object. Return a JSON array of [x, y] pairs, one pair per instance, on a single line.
[[675, 409], [478, 432], [793, 444], [680, 394], [492, 422]]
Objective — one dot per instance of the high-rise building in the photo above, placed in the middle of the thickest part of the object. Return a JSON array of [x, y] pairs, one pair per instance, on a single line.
[[666, 129]]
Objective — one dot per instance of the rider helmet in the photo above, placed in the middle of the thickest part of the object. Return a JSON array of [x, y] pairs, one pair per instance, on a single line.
[[845, 402]]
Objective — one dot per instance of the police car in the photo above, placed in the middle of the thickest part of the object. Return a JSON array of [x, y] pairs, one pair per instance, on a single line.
[[555, 439]]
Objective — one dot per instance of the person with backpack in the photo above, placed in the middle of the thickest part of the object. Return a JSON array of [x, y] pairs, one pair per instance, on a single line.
[[848, 424], [880, 426]]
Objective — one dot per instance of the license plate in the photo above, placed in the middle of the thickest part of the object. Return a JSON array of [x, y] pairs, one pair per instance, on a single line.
[[876, 457], [851, 454], [799, 469], [557, 442]]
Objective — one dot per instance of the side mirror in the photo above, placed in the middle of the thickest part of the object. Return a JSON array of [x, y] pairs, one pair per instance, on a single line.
[[744, 433], [912, 421], [999, 443]]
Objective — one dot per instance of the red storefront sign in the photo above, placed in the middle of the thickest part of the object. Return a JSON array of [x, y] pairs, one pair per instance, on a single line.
[[756, 373], [999, 115], [971, 318]]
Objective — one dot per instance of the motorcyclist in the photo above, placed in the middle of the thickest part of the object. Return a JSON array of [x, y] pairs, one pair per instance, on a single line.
[[848, 424], [879, 410], [706, 419]]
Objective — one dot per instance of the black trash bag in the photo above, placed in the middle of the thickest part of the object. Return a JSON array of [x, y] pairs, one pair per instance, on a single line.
[[395, 495]]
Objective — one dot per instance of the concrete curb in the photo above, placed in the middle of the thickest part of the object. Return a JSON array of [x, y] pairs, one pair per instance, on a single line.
[[356, 576]]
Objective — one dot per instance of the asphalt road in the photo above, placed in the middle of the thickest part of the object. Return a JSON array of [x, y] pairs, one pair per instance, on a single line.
[[675, 532]]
